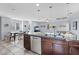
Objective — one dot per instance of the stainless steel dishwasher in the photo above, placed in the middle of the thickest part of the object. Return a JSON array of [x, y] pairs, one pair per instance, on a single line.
[[36, 44]]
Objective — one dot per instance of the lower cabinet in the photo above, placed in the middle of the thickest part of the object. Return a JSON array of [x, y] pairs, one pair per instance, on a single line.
[[60, 47], [27, 44], [74, 48], [54, 47], [46, 46]]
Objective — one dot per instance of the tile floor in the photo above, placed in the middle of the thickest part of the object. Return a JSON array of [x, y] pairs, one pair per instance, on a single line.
[[14, 48]]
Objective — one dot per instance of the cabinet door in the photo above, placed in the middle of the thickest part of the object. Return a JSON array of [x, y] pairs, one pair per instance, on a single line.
[[27, 42], [74, 48], [60, 48], [46, 46]]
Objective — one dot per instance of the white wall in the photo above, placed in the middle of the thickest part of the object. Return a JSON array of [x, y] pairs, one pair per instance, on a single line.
[[4, 29], [10, 27], [13, 25]]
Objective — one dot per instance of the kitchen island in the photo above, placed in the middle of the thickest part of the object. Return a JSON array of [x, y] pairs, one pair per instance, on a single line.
[[45, 45]]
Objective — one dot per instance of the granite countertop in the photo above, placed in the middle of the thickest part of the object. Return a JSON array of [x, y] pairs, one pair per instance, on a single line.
[[51, 37], [45, 36]]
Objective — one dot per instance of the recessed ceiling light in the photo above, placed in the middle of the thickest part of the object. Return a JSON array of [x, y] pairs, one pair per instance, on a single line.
[[37, 5], [67, 3]]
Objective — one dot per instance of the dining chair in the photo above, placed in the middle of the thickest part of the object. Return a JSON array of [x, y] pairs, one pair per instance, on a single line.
[[12, 37], [20, 36], [7, 37]]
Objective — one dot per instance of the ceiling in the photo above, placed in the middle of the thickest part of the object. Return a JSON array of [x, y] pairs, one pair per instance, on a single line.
[[25, 11]]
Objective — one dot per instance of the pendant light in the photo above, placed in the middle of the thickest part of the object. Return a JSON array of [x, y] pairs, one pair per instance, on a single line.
[[68, 15], [50, 11], [50, 14], [38, 14], [68, 10], [38, 11]]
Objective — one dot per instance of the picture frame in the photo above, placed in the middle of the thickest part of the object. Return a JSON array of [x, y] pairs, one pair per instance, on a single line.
[[75, 25], [6, 25]]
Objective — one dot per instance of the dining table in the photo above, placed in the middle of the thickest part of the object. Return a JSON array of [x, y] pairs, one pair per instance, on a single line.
[[14, 34]]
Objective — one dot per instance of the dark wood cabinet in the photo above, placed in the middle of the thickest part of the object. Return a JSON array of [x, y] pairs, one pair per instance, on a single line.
[[74, 48], [60, 47], [46, 46], [54, 47], [27, 44]]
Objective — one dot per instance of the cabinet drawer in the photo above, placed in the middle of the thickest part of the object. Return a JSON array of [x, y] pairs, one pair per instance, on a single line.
[[60, 42], [26, 36], [74, 43], [74, 50]]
